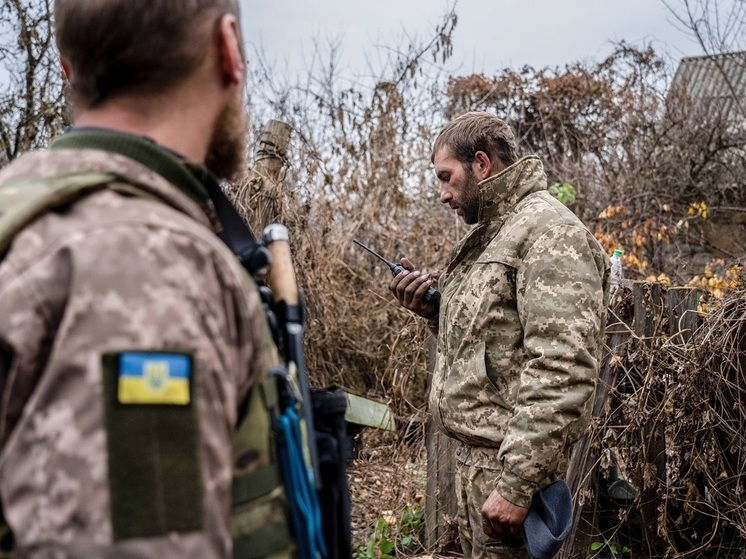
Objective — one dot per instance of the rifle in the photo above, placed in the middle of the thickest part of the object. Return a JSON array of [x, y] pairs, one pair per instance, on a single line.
[[269, 262], [297, 443], [289, 313]]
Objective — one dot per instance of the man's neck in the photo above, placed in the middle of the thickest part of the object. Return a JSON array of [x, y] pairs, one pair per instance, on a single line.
[[169, 122]]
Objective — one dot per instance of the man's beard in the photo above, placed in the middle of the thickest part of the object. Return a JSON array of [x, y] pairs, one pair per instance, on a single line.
[[226, 156], [470, 201]]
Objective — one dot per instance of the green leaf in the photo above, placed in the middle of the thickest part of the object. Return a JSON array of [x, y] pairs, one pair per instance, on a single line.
[[595, 546], [386, 546], [564, 192]]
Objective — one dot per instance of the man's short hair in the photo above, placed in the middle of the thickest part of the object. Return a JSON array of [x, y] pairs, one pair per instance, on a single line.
[[146, 47], [477, 131]]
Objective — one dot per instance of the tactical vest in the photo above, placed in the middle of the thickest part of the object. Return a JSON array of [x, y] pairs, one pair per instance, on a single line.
[[259, 522]]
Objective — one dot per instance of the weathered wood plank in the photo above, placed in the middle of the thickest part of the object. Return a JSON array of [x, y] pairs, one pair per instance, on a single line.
[[582, 471], [440, 490]]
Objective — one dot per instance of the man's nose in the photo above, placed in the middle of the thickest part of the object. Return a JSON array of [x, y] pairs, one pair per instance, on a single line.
[[445, 193]]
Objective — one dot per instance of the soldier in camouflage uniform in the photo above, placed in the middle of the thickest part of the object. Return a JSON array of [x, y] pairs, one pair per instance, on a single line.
[[130, 335], [519, 326]]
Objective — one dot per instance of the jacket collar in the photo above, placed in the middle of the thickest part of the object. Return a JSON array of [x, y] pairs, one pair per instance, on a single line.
[[186, 176], [499, 193]]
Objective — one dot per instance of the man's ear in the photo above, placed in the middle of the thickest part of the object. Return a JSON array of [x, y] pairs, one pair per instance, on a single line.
[[230, 51], [482, 166], [65, 65]]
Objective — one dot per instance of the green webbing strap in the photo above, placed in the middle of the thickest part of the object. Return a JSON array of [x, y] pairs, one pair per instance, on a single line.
[[270, 393], [253, 485], [262, 543], [259, 523]]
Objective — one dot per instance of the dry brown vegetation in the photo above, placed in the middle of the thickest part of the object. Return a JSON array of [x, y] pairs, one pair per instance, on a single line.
[[655, 173], [650, 168], [673, 426]]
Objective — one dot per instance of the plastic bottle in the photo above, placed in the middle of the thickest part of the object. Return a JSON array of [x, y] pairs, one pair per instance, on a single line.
[[617, 274]]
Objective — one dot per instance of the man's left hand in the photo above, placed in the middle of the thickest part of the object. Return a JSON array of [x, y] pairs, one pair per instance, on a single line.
[[502, 519]]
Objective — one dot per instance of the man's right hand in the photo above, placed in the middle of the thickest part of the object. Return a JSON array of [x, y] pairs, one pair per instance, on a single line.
[[409, 287]]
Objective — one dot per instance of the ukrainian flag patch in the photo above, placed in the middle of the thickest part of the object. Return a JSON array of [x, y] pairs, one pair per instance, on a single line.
[[154, 378]]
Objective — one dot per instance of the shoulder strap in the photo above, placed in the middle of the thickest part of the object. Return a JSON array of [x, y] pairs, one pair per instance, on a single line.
[[236, 233]]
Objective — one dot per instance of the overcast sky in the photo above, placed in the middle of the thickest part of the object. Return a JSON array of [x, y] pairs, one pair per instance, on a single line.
[[490, 34]]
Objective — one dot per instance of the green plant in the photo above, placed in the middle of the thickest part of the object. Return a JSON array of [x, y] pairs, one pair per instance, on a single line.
[[613, 549], [379, 544], [412, 527], [382, 544], [563, 191]]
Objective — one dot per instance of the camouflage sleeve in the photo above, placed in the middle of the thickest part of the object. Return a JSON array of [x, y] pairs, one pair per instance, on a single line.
[[433, 324], [127, 287], [560, 303]]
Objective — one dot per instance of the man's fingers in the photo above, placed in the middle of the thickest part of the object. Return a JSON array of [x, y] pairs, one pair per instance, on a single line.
[[415, 281], [491, 531], [400, 281], [407, 264]]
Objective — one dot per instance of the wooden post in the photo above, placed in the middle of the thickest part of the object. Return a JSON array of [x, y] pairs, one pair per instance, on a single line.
[[440, 492], [260, 198], [649, 306], [682, 303], [582, 471], [271, 148], [648, 303]]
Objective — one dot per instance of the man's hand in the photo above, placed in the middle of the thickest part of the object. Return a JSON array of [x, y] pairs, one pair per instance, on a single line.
[[501, 519], [409, 287]]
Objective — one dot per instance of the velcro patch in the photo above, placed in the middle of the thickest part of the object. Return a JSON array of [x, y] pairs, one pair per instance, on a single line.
[[154, 378]]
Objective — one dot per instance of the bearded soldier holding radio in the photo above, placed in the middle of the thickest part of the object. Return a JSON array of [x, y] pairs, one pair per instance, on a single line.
[[519, 322]]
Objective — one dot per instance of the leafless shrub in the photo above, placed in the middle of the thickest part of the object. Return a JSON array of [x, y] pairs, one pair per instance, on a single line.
[[32, 99], [359, 167], [674, 428]]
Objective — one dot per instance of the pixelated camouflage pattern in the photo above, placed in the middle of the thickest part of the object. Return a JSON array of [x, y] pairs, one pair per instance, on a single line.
[[473, 485], [112, 273], [520, 331]]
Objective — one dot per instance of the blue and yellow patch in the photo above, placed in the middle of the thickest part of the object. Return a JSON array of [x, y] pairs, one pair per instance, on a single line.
[[154, 378]]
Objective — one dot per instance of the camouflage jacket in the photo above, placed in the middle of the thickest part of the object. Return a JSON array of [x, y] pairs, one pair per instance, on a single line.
[[86, 470], [520, 331]]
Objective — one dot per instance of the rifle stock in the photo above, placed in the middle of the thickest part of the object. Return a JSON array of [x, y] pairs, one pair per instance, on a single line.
[[282, 282]]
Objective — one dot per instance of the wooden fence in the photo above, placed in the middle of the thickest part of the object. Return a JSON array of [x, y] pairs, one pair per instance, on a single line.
[[641, 311]]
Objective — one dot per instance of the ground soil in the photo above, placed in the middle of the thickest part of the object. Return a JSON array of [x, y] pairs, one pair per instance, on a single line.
[[386, 478]]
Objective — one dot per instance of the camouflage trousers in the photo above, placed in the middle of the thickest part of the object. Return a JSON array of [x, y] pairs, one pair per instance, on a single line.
[[474, 483]]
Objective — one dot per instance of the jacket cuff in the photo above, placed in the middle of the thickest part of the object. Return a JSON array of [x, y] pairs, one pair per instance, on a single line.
[[516, 490]]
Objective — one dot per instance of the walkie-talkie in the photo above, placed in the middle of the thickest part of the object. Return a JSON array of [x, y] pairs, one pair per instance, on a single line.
[[431, 296]]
